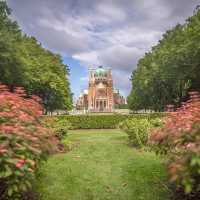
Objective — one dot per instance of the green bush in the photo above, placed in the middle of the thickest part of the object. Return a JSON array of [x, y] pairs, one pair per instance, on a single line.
[[60, 127], [100, 121], [68, 145], [138, 129]]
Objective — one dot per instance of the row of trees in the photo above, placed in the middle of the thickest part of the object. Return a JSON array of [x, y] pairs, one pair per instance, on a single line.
[[172, 68], [24, 62]]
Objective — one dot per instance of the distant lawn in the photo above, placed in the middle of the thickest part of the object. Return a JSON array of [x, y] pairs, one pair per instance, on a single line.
[[102, 167]]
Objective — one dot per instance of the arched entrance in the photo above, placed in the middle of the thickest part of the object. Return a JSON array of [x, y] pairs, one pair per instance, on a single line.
[[101, 107]]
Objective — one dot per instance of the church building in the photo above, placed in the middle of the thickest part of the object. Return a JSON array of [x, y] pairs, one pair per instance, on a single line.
[[100, 96], [100, 90]]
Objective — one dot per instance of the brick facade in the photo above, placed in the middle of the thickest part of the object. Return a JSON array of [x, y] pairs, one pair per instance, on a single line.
[[100, 90], [100, 96]]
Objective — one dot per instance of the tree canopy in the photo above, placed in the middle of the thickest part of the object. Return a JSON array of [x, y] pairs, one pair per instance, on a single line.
[[172, 68], [24, 62]]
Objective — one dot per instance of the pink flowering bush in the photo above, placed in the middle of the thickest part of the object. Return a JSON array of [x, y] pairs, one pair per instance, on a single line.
[[24, 142], [179, 138]]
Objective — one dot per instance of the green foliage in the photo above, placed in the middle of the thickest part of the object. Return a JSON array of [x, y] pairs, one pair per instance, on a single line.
[[24, 142], [60, 127], [138, 130], [121, 106], [24, 62], [99, 121], [68, 145], [179, 139], [166, 73]]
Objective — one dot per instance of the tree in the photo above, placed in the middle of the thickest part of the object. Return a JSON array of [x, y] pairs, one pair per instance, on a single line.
[[172, 68], [24, 62]]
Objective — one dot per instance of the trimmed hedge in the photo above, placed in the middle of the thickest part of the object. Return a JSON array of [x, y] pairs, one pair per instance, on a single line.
[[100, 121]]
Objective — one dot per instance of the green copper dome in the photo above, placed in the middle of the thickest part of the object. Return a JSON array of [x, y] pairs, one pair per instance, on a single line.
[[100, 71]]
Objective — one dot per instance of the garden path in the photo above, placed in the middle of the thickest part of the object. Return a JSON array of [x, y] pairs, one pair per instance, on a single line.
[[102, 167]]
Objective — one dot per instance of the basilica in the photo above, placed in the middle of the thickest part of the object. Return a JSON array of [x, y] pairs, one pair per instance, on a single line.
[[100, 95]]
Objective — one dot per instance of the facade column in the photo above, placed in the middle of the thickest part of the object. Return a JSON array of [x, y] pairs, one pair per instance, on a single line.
[[97, 104]]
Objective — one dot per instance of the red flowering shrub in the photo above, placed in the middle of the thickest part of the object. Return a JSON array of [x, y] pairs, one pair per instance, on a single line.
[[24, 142], [180, 140]]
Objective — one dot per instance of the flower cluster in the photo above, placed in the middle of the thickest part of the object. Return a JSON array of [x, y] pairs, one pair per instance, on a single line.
[[179, 138], [24, 141]]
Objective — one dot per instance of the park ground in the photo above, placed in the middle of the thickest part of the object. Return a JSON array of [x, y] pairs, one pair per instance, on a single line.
[[102, 166]]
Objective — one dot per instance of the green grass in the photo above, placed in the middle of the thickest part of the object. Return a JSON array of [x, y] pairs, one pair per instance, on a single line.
[[102, 167]]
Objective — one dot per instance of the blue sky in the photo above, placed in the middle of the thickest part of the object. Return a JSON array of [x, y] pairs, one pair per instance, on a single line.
[[88, 33], [77, 72]]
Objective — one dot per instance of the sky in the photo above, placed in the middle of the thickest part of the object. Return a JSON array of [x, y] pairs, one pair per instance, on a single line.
[[89, 33]]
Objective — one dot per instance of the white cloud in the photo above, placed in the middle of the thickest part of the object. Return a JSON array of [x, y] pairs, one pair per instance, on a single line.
[[111, 12], [121, 57], [88, 58], [111, 33]]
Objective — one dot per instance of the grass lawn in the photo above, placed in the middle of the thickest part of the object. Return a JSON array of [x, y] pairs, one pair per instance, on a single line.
[[102, 167]]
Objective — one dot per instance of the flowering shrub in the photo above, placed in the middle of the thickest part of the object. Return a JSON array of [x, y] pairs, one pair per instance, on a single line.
[[24, 142], [179, 138], [138, 129]]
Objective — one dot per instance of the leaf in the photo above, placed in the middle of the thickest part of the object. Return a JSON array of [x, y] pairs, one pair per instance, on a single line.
[[10, 192]]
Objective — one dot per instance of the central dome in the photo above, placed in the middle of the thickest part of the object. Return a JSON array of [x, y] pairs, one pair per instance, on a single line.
[[100, 71]]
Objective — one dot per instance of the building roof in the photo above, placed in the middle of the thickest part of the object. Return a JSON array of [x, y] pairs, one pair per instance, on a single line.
[[100, 71]]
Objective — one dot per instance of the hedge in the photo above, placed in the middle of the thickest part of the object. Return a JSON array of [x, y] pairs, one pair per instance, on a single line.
[[100, 121]]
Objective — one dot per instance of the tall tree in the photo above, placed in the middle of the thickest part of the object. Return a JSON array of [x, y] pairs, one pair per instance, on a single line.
[[172, 67], [24, 62]]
